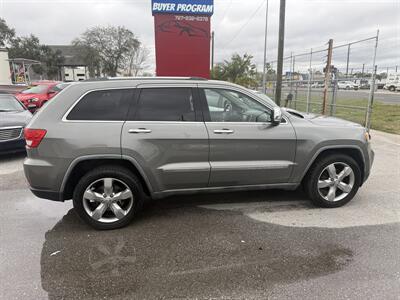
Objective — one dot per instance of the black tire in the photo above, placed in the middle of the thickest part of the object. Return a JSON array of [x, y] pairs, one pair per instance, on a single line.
[[310, 183], [119, 173], [392, 88]]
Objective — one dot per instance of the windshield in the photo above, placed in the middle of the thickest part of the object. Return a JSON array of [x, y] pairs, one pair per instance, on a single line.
[[9, 103], [264, 97], [61, 86], [38, 89]]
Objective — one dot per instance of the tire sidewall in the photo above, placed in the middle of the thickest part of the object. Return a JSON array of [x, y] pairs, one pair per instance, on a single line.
[[316, 172], [118, 173]]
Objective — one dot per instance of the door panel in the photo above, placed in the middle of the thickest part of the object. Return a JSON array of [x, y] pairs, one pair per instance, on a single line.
[[252, 154], [245, 148], [174, 155], [167, 139]]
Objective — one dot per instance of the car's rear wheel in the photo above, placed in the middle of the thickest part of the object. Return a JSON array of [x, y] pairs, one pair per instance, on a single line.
[[108, 197], [392, 88], [333, 180]]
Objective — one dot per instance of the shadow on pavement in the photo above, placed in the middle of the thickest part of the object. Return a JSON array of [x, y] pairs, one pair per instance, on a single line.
[[6, 157], [176, 249]]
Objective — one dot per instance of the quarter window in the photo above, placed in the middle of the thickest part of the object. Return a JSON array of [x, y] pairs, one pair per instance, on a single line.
[[106, 105], [232, 106], [165, 104]]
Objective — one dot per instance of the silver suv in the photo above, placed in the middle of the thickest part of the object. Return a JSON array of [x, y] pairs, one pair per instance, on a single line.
[[109, 144]]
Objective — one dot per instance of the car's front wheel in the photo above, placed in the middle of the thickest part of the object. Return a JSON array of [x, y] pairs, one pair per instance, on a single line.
[[333, 180], [108, 197]]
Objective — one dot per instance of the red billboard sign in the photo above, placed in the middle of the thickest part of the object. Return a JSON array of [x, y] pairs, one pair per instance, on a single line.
[[182, 45]]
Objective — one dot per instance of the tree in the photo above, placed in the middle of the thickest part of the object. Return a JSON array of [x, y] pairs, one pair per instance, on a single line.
[[52, 62], [7, 34], [271, 73], [27, 47], [239, 70], [362, 75], [112, 44], [30, 48], [136, 61], [90, 56]]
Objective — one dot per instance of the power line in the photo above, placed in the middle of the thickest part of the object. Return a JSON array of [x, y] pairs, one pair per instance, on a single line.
[[224, 15], [324, 50], [246, 23]]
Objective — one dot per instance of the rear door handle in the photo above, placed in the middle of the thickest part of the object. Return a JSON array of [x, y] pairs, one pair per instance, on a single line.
[[223, 131], [139, 130]]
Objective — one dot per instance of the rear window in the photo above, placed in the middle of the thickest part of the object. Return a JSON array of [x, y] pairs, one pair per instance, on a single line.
[[165, 104], [106, 105]]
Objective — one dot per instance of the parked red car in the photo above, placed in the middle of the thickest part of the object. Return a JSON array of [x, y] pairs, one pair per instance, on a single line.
[[39, 93]]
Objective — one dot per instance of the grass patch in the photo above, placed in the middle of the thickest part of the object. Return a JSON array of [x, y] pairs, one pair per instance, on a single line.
[[385, 117]]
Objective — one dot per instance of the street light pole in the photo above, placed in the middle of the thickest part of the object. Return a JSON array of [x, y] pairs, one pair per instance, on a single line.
[[265, 51]]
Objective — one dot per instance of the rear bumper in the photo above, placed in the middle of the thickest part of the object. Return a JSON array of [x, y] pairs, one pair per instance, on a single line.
[[49, 195], [44, 177]]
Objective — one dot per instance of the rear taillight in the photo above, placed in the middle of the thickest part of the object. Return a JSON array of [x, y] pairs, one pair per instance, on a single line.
[[33, 137]]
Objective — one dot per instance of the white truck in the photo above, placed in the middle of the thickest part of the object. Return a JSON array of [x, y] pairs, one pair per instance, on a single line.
[[392, 82]]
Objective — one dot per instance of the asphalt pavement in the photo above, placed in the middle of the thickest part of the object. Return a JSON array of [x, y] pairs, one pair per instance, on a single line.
[[249, 245]]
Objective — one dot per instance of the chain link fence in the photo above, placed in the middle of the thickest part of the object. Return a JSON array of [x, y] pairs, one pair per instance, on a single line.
[[350, 83]]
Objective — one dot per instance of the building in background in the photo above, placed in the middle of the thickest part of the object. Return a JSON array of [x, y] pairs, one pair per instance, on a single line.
[[5, 74], [74, 68]]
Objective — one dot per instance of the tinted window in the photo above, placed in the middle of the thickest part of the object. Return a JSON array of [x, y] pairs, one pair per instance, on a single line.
[[166, 104], [232, 106], [107, 105]]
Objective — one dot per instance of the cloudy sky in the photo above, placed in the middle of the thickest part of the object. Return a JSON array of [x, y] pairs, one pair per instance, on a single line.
[[238, 24]]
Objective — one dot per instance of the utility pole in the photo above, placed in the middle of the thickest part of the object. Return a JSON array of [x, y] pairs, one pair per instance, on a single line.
[[327, 76], [292, 77], [309, 83], [362, 72], [265, 51], [348, 59], [291, 73], [281, 40], [372, 87], [212, 51]]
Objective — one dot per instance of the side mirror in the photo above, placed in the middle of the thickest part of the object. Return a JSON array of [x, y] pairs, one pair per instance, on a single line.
[[276, 116]]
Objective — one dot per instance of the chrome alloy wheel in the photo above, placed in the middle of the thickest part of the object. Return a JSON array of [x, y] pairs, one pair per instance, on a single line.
[[336, 181], [108, 200]]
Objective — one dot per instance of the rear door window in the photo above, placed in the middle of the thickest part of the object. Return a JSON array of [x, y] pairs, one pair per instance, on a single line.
[[104, 105], [166, 104]]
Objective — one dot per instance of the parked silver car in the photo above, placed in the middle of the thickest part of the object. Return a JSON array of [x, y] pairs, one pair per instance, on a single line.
[[13, 118], [108, 144]]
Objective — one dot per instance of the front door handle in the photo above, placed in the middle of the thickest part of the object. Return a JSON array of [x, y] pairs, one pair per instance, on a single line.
[[139, 130], [223, 131]]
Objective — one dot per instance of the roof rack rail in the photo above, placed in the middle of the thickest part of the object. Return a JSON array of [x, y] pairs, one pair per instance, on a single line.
[[198, 78], [145, 78]]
